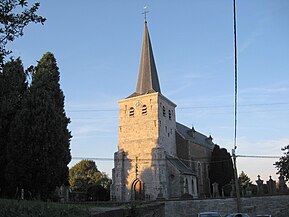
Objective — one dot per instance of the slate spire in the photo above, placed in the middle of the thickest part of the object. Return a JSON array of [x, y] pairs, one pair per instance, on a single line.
[[148, 81]]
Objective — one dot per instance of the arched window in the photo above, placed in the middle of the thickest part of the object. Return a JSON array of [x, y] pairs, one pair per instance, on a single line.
[[193, 186], [131, 112], [164, 111], [144, 110], [186, 187], [170, 115]]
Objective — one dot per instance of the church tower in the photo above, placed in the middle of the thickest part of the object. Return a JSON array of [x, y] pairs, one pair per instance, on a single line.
[[146, 136]]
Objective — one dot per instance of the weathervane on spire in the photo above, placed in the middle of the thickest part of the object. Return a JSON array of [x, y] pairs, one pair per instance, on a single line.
[[145, 12]]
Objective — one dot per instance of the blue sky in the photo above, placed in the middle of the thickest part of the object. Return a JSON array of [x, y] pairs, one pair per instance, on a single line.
[[97, 45]]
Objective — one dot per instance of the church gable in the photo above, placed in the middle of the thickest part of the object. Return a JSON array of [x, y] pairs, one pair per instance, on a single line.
[[194, 136]]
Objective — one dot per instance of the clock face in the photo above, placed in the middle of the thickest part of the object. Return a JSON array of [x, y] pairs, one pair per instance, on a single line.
[[138, 103]]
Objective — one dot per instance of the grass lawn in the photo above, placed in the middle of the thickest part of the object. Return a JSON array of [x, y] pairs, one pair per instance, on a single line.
[[15, 208]]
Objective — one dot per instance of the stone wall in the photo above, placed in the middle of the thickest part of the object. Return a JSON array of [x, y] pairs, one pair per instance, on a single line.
[[277, 206], [131, 210]]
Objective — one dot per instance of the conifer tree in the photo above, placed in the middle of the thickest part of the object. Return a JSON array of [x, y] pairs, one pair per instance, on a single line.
[[40, 132], [12, 87], [221, 167], [244, 180]]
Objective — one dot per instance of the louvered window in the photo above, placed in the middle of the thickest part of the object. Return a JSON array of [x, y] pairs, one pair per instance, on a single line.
[[131, 112], [144, 110]]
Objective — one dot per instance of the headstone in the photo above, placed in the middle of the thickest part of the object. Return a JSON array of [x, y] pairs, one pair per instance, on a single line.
[[248, 190], [233, 187], [271, 186], [259, 185], [282, 184], [216, 189], [64, 193], [160, 195], [22, 194]]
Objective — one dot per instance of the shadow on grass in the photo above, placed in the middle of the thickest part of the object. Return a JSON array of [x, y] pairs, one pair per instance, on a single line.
[[14, 208]]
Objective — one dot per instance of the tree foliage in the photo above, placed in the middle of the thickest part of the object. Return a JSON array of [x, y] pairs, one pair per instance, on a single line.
[[84, 174], [244, 180], [85, 177], [38, 150], [221, 167], [283, 164], [15, 15], [12, 88]]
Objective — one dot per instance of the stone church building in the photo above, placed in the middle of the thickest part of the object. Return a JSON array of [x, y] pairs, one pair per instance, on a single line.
[[157, 157]]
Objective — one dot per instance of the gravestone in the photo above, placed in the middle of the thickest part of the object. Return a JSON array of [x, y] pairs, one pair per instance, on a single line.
[[282, 185], [233, 186], [259, 185], [248, 190], [271, 186], [216, 189]]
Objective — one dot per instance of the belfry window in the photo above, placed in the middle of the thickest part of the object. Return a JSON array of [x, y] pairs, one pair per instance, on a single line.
[[164, 111], [144, 110], [131, 112], [170, 115]]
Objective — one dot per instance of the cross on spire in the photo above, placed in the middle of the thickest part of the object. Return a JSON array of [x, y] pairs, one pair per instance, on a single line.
[[147, 81], [145, 12]]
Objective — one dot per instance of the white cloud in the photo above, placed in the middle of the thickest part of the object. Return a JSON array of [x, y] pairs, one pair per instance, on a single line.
[[249, 41]]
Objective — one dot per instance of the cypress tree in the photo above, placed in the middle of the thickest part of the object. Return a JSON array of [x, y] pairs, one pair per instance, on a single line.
[[40, 131], [221, 167], [12, 87]]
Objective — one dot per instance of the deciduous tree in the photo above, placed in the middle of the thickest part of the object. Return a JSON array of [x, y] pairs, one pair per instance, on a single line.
[[83, 174], [85, 177], [283, 164], [15, 15]]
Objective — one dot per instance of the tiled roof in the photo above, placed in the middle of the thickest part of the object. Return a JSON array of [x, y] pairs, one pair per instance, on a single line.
[[180, 165], [195, 136]]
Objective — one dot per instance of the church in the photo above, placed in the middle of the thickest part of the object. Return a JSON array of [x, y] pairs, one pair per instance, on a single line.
[[157, 157]]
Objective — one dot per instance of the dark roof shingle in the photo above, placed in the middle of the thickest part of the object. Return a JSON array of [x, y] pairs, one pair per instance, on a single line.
[[195, 136]]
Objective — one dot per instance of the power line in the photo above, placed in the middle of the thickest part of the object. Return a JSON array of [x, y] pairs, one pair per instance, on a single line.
[[258, 156], [92, 158], [194, 160], [95, 110], [230, 106], [89, 117], [189, 107]]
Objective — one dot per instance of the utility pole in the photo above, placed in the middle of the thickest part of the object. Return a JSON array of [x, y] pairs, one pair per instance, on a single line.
[[236, 181], [236, 106]]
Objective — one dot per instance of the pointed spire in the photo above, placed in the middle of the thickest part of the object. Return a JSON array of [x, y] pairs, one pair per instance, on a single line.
[[148, 81]]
